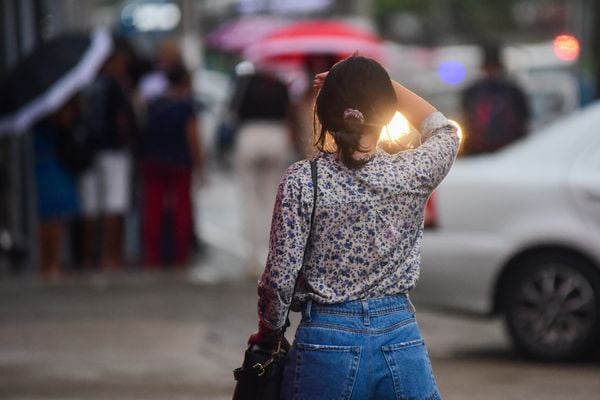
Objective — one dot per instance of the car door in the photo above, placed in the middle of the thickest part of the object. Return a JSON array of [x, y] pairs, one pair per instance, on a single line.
[[585, 183]]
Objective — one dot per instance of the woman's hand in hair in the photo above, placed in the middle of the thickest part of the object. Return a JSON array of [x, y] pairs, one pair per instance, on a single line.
[[411, 105], [320, 80]]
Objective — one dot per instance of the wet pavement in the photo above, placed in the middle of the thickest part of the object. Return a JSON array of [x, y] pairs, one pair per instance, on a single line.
[[178, 334]]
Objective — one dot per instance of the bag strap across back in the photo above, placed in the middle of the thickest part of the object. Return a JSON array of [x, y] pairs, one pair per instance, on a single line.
[[313, 174]]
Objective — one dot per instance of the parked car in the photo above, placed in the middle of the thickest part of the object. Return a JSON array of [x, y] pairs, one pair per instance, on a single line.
[[517, 233]]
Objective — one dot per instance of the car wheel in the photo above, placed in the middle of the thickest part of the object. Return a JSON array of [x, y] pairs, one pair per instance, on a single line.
[[553, 307]]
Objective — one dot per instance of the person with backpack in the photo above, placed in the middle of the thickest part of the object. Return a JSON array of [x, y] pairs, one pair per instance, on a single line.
[[495, 109]]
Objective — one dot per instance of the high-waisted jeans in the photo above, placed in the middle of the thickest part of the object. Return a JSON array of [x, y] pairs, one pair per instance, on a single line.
[[363, 349]]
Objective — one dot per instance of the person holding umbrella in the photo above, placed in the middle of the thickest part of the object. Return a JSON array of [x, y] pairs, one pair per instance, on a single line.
[[57, 198], [105, 188], [350, 270], [40, 96]]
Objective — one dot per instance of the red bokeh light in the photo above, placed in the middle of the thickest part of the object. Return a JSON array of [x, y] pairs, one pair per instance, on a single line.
[[566, 47]]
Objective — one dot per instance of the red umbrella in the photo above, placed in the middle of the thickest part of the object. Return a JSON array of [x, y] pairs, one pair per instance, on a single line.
[[313, 37], [233, 36]]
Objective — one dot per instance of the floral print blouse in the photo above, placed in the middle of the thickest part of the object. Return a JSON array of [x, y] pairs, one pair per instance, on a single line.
[[368, 225]]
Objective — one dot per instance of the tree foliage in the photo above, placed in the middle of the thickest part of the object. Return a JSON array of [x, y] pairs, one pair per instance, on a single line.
[[466, 19]]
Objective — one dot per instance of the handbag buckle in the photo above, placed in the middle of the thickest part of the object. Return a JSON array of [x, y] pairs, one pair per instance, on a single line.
[[263, 367], [260, 368]]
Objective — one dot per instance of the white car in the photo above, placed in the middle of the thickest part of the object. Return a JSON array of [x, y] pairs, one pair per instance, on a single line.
[[517, 233]]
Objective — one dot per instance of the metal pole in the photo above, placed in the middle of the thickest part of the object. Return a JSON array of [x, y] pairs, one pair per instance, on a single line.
[[28, 26], [190, 42], [9, 25], [22, 218]]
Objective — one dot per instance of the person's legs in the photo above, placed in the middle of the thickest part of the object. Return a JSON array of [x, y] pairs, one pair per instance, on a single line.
[[50, 239], [89, 227], [90, 199], [115, 168], [182, 214], [263, 148], [153, 206], [112, 250]]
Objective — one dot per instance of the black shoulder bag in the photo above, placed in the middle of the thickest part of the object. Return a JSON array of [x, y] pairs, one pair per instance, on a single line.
[[261, 373]]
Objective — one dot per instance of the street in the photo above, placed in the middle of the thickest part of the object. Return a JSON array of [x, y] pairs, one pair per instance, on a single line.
[[179, 334], [140, 141]]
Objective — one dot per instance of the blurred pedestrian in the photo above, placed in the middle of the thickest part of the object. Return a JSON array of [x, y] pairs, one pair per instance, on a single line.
[[495, 109], [57, 197], [105, 187], [263, 148], [156, 82], [171, 153], [356, 262]]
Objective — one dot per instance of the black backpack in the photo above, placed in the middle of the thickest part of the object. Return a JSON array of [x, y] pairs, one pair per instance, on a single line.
[[497, 114]]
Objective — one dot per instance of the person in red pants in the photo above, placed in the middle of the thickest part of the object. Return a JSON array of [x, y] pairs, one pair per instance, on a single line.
[[171, 153]]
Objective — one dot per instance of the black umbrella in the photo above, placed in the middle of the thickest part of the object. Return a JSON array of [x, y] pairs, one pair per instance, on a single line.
[[49, 76]]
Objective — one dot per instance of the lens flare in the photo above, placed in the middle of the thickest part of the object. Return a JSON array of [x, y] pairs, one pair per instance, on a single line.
[[397, 128], [452, 72]]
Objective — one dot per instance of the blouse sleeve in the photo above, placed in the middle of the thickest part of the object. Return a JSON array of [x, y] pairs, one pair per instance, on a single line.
[[289, 231], [434, 158]]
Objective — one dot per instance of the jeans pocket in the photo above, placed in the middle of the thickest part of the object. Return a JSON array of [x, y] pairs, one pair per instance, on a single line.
[[411, 370], [324, 371]]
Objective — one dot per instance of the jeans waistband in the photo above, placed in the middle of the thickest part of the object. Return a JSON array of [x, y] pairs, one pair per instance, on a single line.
[[367, 307]]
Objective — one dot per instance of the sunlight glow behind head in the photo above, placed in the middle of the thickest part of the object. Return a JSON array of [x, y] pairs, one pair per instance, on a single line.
[[397, 127], [460, 131]]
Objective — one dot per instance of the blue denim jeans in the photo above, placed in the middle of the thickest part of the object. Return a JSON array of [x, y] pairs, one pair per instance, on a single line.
[[364, 349]]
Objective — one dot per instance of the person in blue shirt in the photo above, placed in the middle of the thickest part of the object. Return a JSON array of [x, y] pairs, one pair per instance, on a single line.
[[57, 197], [171, 154]]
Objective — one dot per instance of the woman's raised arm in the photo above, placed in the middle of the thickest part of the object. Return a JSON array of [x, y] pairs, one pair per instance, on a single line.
[[411, 105]]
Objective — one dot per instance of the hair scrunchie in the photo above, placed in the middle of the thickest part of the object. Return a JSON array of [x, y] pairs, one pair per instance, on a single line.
[[351, 114]]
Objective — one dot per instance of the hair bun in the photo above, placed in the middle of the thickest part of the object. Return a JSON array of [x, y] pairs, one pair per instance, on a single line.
[[353, 115]]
